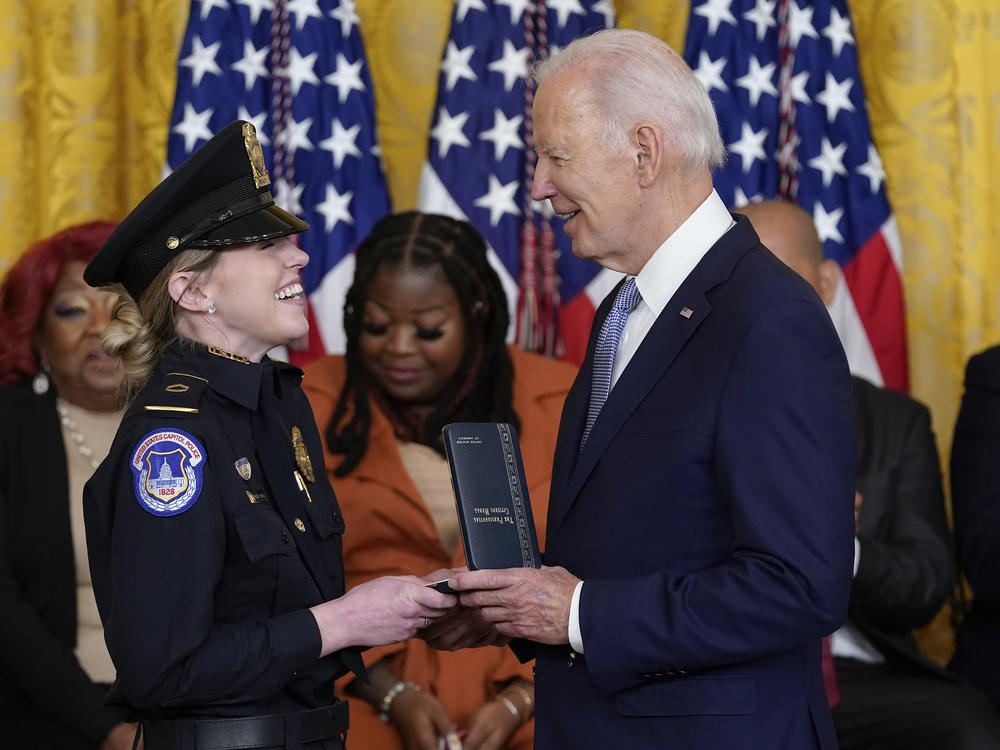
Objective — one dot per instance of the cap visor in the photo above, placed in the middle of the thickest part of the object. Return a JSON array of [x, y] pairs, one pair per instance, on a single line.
[[260, 225]]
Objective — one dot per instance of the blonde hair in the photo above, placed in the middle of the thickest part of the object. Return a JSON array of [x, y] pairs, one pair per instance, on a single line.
[[140, 331]]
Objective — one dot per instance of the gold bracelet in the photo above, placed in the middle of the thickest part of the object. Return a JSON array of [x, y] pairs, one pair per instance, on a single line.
[[528, 702], [510, 706]]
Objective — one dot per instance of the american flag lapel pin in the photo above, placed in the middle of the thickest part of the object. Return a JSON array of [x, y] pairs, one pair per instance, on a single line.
[[686, 312]]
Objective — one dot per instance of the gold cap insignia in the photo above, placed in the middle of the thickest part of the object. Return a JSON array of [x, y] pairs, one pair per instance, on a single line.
[[302, 455], [173, 242], [256, 155], [243, 467]]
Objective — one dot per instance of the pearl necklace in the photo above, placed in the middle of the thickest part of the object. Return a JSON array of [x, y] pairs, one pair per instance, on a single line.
[[76, 436]]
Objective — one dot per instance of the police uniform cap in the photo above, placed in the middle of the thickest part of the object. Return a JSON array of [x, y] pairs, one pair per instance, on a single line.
[[218, 197]]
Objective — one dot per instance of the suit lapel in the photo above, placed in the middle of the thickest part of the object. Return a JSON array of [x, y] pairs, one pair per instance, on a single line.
[[664, 341], [574, 415], [672, 329], [567, 444]]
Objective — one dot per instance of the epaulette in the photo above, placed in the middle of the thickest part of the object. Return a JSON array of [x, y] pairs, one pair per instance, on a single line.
[[179, 397]]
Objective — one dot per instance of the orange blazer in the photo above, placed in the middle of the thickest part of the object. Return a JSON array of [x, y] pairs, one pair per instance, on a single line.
[[389, 531]]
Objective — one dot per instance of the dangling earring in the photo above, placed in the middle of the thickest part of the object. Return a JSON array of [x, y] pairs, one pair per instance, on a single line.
[[211, 310], [40, 383]]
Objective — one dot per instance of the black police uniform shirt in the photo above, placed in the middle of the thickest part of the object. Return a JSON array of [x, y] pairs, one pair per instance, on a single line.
[[210, 534]]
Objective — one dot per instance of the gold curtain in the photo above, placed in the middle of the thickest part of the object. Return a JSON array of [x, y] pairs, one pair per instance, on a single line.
[[86, 88]]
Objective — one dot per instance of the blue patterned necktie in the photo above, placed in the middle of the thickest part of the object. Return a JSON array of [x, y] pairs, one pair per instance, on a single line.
[[604, 353]]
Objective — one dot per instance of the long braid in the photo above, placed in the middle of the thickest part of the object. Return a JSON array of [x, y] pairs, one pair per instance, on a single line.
[[352, 438], [482, 387]]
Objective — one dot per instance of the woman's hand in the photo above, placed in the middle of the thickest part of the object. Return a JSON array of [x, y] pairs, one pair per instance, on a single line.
[[120, 737], [493, 723], [462, 627], [420, 720], [490, 726], [381, 611]]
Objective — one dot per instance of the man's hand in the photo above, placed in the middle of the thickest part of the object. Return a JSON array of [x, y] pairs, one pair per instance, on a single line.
[[521, 602]]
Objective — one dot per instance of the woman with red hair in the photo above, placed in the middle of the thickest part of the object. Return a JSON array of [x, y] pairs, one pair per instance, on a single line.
[[58, 393]]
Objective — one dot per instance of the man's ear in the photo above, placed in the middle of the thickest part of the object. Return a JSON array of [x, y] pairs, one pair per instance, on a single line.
[[829, 280], [648, 145], [185, 289]]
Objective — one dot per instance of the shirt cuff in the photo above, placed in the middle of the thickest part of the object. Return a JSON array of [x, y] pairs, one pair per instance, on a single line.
[[575, 636]]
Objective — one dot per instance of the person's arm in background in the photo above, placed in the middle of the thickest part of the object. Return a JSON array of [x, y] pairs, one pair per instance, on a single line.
[[907, 562], [975, 479]]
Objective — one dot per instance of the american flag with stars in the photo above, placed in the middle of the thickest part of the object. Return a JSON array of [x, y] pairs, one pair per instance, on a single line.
[[784, 78], [480, 160], [296, 69]]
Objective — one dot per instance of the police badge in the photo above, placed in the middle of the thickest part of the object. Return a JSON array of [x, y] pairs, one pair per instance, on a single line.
[[302, 455], [243, 468]]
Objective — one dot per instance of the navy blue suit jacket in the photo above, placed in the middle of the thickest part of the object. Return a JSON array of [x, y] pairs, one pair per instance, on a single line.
[[711, 518]]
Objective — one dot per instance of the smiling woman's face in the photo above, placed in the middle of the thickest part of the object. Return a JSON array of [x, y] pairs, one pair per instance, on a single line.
[[68, 339], [413, 334], [258, 298]]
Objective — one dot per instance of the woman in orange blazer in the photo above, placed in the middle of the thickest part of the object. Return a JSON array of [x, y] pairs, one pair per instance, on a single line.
[[426, 319]]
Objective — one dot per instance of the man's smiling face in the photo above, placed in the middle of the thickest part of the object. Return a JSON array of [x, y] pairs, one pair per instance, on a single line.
[[593, 186]]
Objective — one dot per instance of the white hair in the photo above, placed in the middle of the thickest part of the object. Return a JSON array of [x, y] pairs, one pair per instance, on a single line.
[[638, 78]]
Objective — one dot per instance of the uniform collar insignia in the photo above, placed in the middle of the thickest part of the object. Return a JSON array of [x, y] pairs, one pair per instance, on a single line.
[[228, 355]]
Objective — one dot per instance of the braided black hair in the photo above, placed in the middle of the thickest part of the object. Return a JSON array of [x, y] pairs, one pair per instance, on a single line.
[[481, 390]]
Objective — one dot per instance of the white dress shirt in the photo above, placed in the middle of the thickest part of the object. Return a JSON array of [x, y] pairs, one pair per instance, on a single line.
[[848, 641], [657, 281]]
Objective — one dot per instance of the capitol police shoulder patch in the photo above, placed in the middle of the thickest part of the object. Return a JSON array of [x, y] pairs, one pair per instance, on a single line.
[[167, 467]]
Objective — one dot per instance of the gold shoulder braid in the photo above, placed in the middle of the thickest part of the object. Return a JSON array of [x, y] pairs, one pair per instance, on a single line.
[[179, 398], [228, 355]]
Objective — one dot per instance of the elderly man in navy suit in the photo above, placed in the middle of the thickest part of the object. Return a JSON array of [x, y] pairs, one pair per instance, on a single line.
[[700, 527]]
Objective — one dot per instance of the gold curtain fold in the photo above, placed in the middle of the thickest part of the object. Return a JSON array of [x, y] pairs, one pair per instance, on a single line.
[[935, 114], [86, 88], [85, 92]]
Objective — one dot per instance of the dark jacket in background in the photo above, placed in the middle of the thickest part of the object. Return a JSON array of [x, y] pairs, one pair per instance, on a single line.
[[975, 497], [39, 673], [907, 559]]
